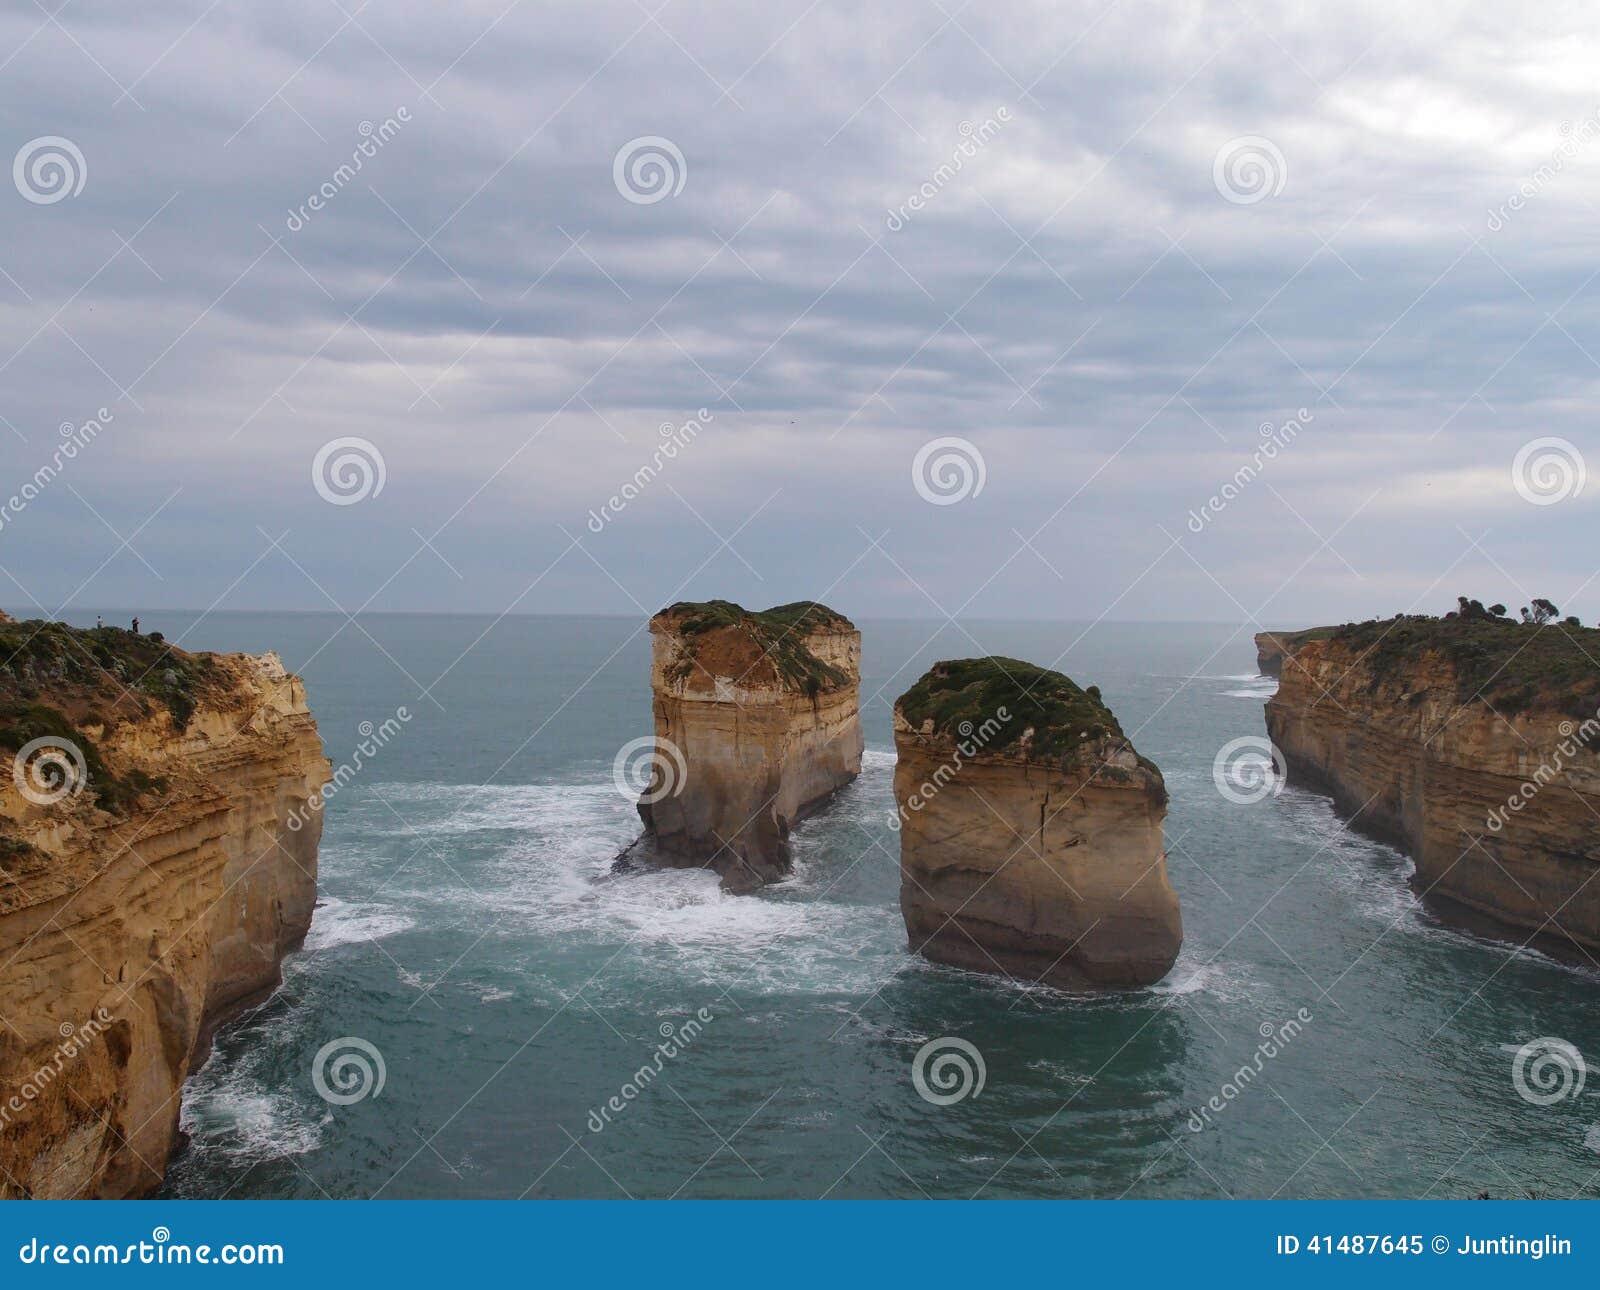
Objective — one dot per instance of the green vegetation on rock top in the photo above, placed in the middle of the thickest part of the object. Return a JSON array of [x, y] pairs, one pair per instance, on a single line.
[[92, 667], [1513, 666], [1061, 714], [779, 633]]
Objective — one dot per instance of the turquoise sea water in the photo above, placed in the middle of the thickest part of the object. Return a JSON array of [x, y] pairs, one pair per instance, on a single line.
[[471, 933]]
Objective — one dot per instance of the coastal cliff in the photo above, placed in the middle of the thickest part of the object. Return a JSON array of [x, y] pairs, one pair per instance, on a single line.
[[1030, 830], [757, 722], [1273, 647], [1470, 744], [150, 886]]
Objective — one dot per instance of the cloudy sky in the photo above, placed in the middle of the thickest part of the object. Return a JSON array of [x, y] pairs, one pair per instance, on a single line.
[[1101, 244]]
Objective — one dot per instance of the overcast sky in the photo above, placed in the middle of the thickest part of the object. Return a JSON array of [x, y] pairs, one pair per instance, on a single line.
[[1140, 233]]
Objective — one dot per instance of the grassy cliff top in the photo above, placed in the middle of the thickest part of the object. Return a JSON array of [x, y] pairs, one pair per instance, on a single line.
[[775, 639], [1514, 666], [972, 691], [56, 680]]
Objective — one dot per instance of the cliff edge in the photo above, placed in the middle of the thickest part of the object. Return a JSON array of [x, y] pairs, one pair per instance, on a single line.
[[1472, 745], [757, 722], [1030, 830], [150, 886]]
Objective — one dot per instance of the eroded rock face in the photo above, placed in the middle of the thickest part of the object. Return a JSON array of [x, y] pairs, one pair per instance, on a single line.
[[1273, 647], [1030, 831], [757, 723], [139, 912], [1388, 726]]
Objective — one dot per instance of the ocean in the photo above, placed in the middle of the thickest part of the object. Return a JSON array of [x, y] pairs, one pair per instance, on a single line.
[[472, 947]]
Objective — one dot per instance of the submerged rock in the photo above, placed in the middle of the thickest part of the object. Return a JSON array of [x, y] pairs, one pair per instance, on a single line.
[[757, 723], [1030, 830]]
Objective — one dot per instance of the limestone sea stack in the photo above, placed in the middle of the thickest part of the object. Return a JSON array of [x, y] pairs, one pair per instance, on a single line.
[[757, 723], [152, 878], [1030, 830], [1472, 744]]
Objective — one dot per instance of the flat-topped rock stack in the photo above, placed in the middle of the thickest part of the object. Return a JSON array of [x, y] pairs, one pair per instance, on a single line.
[[1030, 830], [757, 723]]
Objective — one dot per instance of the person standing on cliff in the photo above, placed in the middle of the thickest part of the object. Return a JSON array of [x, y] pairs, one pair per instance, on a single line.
[[99, 620], [136, 624]]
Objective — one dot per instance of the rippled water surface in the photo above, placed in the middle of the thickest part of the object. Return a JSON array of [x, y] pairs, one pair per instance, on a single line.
[[470, 931]]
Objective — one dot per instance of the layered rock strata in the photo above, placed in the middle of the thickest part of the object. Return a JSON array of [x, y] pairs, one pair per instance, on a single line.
[[757, 723], [1273, 647], [1030, 830], [151, 883], [1472, 746]]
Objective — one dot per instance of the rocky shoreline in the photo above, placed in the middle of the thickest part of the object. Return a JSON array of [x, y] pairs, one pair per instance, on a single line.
[[152, 887]]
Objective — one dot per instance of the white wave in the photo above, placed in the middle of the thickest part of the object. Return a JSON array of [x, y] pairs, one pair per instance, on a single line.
[[239, 1114], [339, 922], [878, 759]]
